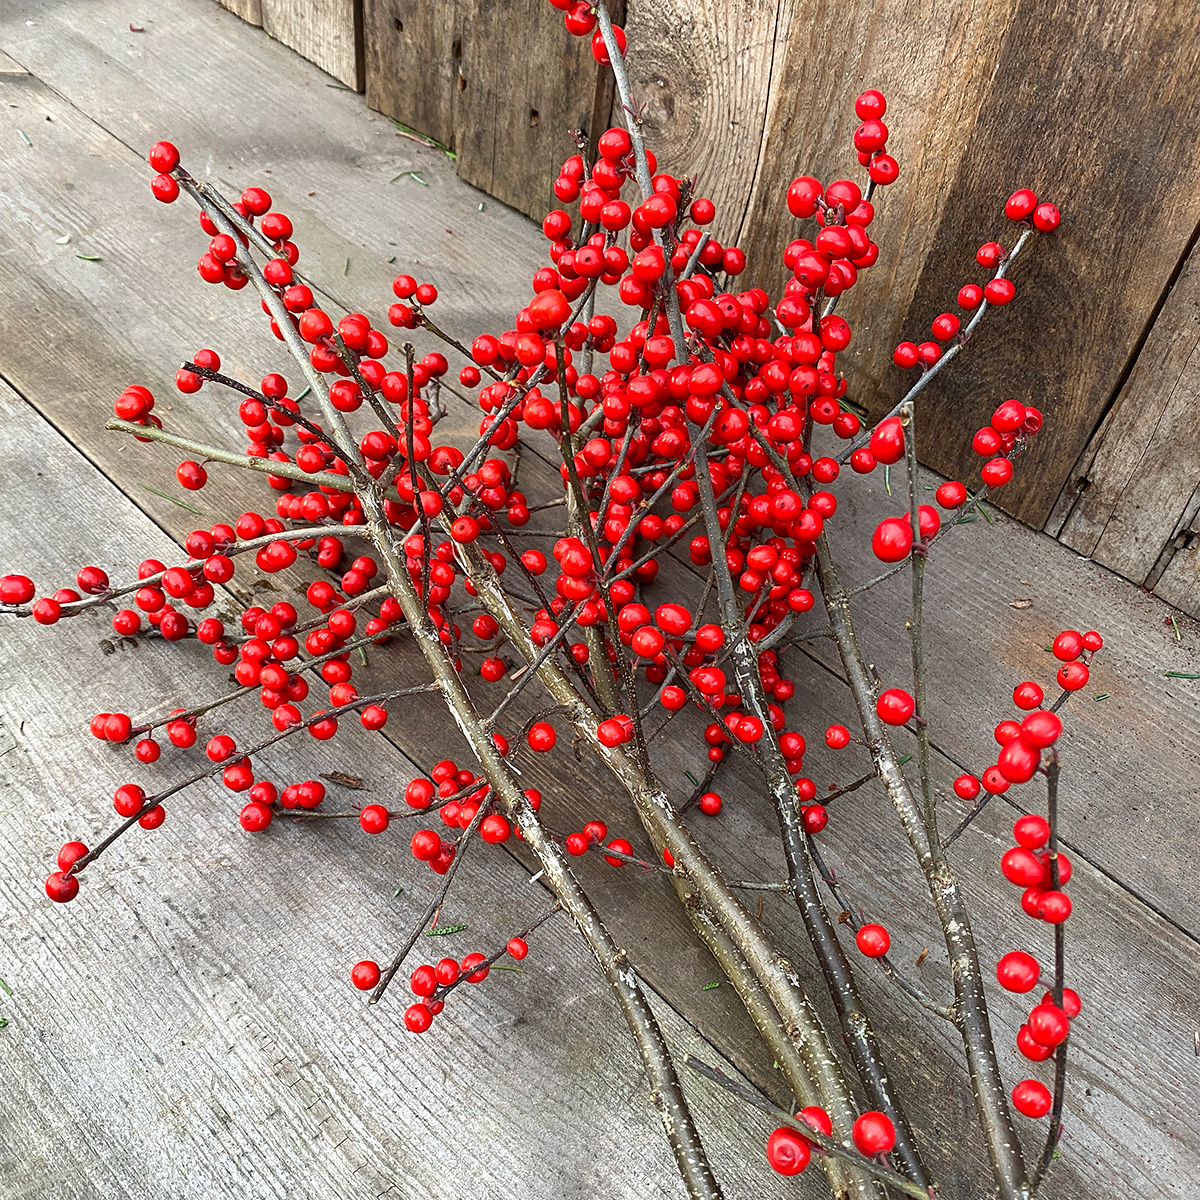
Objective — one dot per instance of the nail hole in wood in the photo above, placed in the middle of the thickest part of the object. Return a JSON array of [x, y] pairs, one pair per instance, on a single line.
[[456, 48], [399, 25], [535, 118]]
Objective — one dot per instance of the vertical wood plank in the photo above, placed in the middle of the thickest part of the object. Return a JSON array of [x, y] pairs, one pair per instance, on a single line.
[[1094, 106], [1179, 583], [248, 10], [412, 54], [501, 85], [706, 73], [525, 84], [1147, 463], [326, 32], [933, 62]]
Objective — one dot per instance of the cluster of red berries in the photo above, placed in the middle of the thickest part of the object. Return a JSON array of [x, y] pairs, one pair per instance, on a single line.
[[432, 982], [789, 1151]]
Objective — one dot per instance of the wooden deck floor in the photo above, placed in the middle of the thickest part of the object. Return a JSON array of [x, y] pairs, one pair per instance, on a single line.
[[187, 1025]]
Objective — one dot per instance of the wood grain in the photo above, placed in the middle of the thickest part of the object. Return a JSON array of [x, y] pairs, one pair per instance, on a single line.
[[1131, 503], [248, 10], [501, 85], [105, 326], [1057, 119], [413, 63], [326, 32]]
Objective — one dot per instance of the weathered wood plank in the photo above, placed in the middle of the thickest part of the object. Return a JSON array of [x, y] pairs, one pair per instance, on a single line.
[[1058, 120], [326, 32], [219, 960], [517, 107], [501, 85], [248, 10], [1144, 470], [681, 966], [413, 63]]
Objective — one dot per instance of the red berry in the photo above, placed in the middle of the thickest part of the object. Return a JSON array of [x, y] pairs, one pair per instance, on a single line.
[[1046, 217], [788, 1152], [873, 941], [1031, 831], [1048, 1024], [1068, 646], [837, 737], [874, 1134], [895, 706], [364, 975], [966, 787], [61, 887], [1034, 1051], [1072, 676], [1031, 1099], [1020, 204], [517, 948], [1018, 971], [1071, 1004], [1028, 695], [542, 737], [374, 818], [1054, 907], [417, 1018], [892, 540], [1022, 867]]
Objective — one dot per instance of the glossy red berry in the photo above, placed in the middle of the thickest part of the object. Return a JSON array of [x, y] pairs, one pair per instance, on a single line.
[[1049, 1025], [61, 887], [895, 706], [1031, 832], [1018, 971], [1031, 1099], [874, 1133], [1068, 646], [873, 940], [1020, 204], [516, 948], [374, 818], [417, 1018], [364, 975], [1072, 676], [1022, 867], [1046, 217], [892, 540], [837, 737], [542, 737], [966, 787], [788, 1151]]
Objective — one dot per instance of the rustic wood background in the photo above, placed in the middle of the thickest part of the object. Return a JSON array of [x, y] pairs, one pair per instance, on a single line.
[[1093, 105], [187, 1025]]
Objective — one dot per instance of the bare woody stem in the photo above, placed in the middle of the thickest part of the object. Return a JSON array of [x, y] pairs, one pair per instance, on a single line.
[[665, 1089], [991, 1102], [1060, 1055]]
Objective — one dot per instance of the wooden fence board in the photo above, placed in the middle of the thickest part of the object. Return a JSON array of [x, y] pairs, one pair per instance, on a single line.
[[248, 10], [1131, 502], [501, 85], [326, 32], [1057, 118], [413, 54]]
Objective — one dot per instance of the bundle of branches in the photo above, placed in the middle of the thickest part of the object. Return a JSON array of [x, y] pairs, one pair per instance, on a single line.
[[675, 556]]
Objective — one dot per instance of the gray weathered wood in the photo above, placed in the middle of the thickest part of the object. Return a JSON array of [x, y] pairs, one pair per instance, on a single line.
[[146, 246], [248, 10], [1131, 501], [326, 32]]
